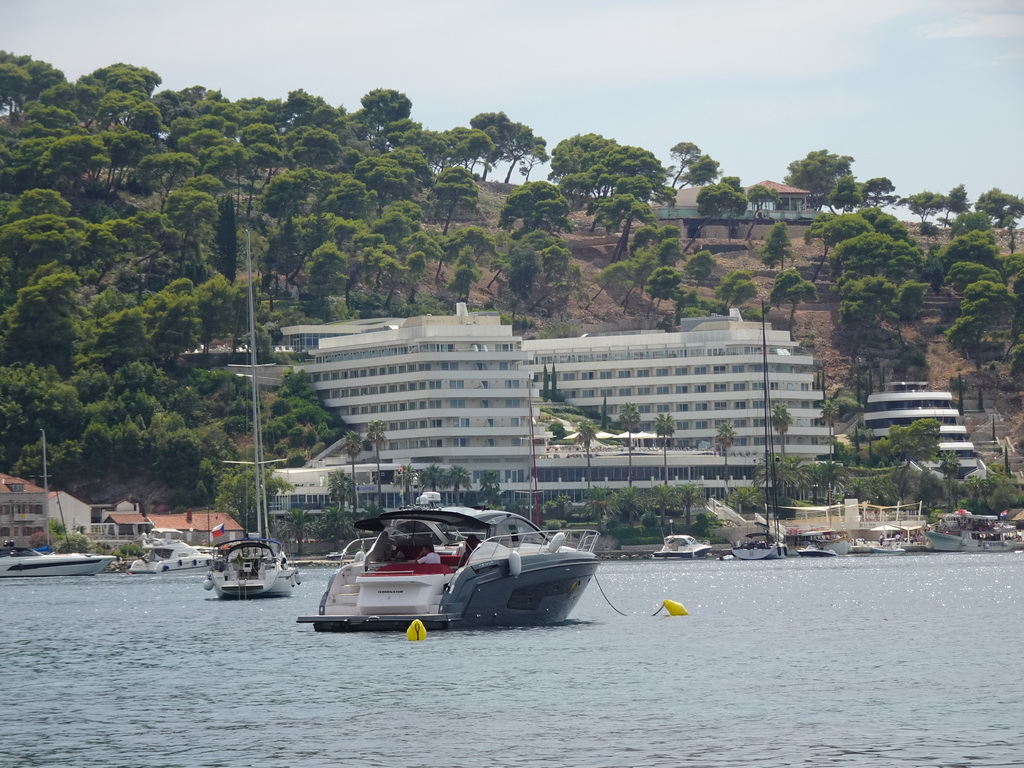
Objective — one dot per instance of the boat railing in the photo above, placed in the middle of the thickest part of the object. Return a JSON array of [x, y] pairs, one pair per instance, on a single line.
[[534, 542], [355, 550]]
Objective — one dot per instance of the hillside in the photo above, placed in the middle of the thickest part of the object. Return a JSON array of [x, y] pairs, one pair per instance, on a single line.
[[125, 211]]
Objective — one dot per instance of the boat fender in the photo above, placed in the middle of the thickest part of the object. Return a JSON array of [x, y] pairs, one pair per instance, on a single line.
[[515, 564], [195, 562], [166, 568], [556, 542], [416, 631], [675, 609], [298, 578], [180, 563], [359, 556], [208, 584]]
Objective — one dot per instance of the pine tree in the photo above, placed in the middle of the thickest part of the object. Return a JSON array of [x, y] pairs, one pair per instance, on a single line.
[[226, 240]]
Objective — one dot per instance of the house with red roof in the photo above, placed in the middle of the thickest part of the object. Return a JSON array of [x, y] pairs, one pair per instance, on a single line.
[[22, 510], [197, 526]]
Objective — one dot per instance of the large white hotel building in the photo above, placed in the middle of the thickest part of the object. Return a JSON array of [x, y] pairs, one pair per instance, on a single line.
[[457, 390]]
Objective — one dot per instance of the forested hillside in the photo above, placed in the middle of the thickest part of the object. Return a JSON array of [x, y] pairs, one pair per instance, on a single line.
[[124, 213]]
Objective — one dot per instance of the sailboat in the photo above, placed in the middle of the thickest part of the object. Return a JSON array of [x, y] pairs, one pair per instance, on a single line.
[[255, 566], [768, 544]]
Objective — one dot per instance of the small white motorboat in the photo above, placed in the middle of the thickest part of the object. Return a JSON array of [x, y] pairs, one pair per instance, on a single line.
[[888, 546], [682, 547], [814, 550]]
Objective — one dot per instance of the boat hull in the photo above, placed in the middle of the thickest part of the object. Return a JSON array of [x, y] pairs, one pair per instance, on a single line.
[[817, 553], [955, 542], [694, 555], [773, 552], [54, 565], [486, 595]]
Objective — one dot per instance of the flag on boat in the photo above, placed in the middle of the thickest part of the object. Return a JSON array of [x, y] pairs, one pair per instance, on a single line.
[[1003, 514], [218, 530]]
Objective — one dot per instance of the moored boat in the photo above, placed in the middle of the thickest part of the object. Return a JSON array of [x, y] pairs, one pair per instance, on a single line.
[[828, 540], [21, 561], [682, 547], [485, 568], [760, 546], [165, 553], [813, 549], [964, 532], [889, 546], [253, 567]]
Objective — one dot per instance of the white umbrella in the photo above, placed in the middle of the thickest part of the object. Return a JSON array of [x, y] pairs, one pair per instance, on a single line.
[[887, 528], [604, 436]]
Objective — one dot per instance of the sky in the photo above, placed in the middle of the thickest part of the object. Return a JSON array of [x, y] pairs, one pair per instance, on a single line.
[[929, 93]]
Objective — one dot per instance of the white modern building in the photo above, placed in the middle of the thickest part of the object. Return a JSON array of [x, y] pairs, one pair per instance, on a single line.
[[457, 390], [905, 402]]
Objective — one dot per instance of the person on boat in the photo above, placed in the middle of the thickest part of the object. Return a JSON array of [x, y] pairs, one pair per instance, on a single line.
[[466, 548], [429, 556]]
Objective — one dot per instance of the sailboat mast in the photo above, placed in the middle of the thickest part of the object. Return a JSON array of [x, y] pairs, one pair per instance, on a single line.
[[257, 446], [771, 497], [46, 490]]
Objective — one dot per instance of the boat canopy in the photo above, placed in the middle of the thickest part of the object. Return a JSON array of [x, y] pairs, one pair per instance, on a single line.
[[460, 517], [235, 543]]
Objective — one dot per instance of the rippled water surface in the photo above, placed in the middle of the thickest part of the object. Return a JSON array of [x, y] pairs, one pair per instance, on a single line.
[[853, 661]]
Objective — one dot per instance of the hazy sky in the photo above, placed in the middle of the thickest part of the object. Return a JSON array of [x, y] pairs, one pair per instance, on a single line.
[[927, 92]]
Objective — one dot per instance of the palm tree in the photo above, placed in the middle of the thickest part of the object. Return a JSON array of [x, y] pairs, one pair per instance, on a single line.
[[599, 504], [664, 427], [781, 422], [432, 476], [405, 478], [295, 525], [458, 477], [665, 497], [790, 475], [746, 497], [726, 437], [830, 415], [949, 466], [490, 487], [334, 524], [630, 502], [586, 433], [339, 486], [629, 420], [352, 446], [376, 436], [690, 496], [827, 474]]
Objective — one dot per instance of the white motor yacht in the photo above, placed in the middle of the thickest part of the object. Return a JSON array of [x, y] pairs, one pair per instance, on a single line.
[[682, 547], [21, 561], [487, 568], [167, 553]]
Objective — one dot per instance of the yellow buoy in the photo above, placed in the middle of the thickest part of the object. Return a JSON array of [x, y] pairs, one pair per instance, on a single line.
[[675, 609], [416, 631]]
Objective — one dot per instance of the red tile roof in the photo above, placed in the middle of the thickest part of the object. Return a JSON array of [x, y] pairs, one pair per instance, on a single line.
[[7, 480], [201, 521], [782, 189], [126, 518]]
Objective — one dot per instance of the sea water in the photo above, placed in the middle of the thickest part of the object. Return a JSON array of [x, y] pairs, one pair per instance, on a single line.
[[850, 661]]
